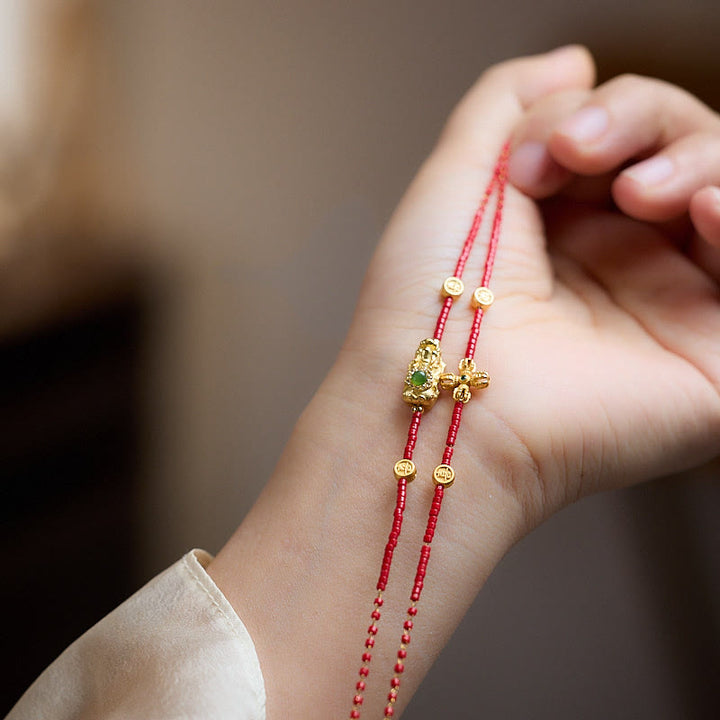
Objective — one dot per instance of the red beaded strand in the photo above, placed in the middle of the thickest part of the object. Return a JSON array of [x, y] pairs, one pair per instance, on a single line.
[[465, 252], [478, 218], [442, 318], [435, 506], [412, 435], [385, 567], [498, 178], [491, 251]]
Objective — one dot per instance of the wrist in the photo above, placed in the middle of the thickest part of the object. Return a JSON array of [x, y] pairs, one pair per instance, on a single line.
[[301, 569]]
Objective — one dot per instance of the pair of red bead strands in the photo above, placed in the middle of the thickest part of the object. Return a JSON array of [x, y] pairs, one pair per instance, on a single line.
[[426, 377]]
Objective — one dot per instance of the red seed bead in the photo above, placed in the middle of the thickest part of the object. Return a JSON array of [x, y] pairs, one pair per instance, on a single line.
[[358, 700], [372, 630], [399, 668], [389, 712], [370, 642], [402, 654], [366, 657], [375, 615], [408, 625], [412, 610], [361, 685], [395, 682], [392, 695], [354, 714], [364, 672], [378, 601], [405, 639]]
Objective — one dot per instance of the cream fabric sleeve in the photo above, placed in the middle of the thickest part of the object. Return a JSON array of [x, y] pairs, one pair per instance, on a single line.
[[176, 649]]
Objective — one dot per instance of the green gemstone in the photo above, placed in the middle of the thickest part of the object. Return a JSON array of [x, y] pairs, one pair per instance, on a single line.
[[418, 378]]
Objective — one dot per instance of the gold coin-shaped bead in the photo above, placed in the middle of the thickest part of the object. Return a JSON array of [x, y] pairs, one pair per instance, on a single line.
[[482, 298], [405, 469], [444, 475], [453, 287]]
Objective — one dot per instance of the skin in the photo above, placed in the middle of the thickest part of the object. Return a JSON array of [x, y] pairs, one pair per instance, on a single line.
[[603, 346]]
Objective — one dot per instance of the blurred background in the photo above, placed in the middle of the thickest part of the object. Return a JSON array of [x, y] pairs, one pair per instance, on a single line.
[[183, 186]]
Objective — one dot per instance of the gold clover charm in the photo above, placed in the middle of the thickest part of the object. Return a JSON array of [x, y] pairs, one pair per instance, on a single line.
[[468, 376]]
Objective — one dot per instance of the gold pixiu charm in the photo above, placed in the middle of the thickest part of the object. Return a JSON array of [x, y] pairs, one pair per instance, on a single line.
[[423, 375], [468, 376]]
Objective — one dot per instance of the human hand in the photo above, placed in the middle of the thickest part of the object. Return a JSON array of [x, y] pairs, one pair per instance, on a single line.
[[602, 350], [628, 173], [601, 343]]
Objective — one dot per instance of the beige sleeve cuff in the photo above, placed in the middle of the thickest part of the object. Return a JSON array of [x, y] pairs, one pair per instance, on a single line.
[[175, 649]]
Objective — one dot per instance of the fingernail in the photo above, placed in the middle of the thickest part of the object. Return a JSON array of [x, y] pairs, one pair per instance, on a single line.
[[528, 164], [651, 172], [585, 125]]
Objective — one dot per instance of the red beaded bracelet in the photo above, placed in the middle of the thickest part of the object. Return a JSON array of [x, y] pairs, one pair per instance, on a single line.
[[425, 378]]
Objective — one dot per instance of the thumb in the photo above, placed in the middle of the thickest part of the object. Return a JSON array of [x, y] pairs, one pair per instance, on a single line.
[[420, 246]]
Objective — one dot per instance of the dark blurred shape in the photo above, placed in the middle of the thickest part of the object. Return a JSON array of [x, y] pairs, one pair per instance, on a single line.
[[681, 564], [69, 446]]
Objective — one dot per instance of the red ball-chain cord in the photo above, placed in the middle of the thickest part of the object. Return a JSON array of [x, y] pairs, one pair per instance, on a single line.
[[498, 179]]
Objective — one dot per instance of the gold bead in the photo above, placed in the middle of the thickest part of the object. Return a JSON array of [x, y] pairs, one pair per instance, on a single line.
[[482, 298], [405, 469], [467, 365], [444, 475], [453, 287], [461, 394], [447, 381], [480, 380]]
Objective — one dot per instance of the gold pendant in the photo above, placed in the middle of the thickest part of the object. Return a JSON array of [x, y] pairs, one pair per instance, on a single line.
[[468, 376], [423, 376]]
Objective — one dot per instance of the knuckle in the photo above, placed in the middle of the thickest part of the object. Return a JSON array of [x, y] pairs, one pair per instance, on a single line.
[[638, 86], [630, 79], [630, 84]]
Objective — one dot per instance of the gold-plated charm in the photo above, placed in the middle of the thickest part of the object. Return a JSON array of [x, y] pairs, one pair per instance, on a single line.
[[444, 475], [405, 469], [423, 375], [452, 287], [468, 376], [482, 298]]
